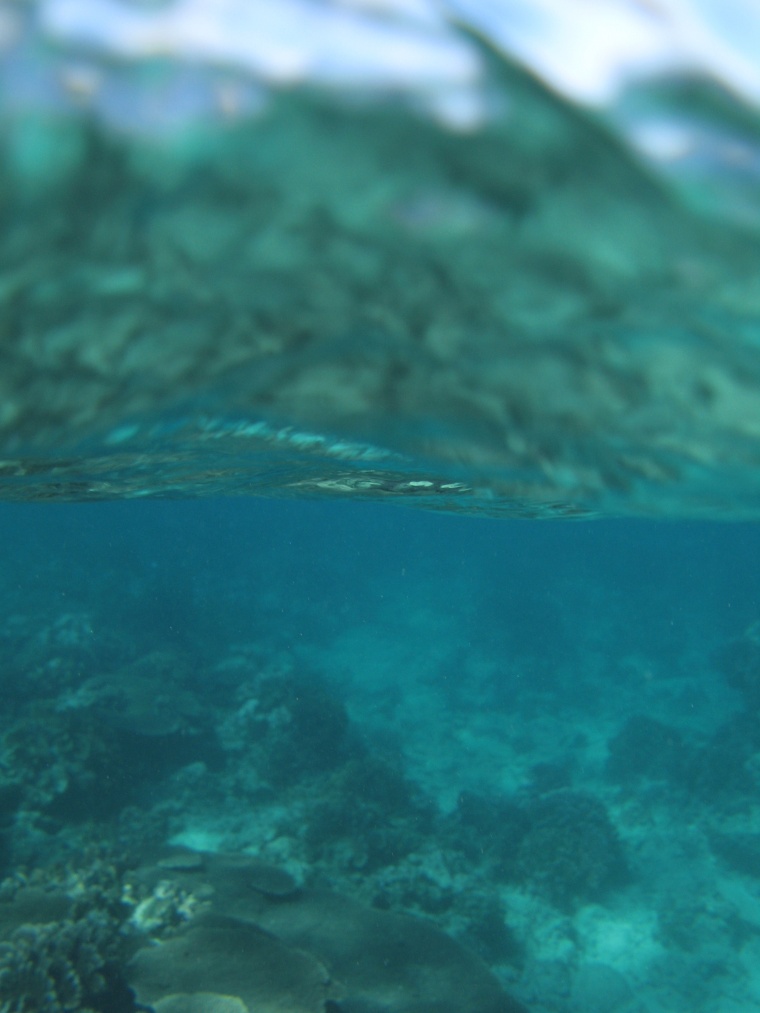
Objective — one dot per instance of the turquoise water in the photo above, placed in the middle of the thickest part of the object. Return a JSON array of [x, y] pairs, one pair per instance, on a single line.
[[539, 737], [379, 599]]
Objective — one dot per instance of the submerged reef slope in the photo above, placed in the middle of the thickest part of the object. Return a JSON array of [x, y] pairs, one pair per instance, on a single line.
[[332, 952], [112, 940], [332, 298], [157, 805]]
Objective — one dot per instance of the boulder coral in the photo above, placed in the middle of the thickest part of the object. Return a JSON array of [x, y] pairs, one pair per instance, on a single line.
[[571, 853], [561, 844]]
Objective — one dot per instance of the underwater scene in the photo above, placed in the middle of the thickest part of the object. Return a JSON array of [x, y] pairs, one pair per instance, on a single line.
[[289, 756], [379, 500]]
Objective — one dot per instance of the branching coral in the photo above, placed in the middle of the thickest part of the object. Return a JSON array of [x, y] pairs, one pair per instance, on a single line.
[[65, 940], [65, 967], [68, 760]]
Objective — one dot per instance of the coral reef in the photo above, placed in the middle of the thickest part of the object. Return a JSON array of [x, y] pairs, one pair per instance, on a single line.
[[55, 654], [226, 955], [725, 770], [285, 726], [645, 748], [64, 967], [367, 817], [309, 951], [570, 853], [562, 843], [64, 761], [323, 818], [83, 746], [65, 942]]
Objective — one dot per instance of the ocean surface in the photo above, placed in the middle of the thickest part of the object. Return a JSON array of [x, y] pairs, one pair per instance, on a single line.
[[379, 582]]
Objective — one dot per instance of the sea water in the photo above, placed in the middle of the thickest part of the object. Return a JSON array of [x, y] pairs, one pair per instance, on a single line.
[[380, 624]]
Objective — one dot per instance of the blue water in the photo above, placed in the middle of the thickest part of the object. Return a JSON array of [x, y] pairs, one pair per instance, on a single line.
[[327, 557], [656, 583], [528, 694]]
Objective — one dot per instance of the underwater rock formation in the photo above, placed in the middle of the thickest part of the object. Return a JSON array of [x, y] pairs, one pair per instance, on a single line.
[[74, 765], [725, 770], [11, 795], [85, 742], [65, 761], [56, 655], [739, 850]]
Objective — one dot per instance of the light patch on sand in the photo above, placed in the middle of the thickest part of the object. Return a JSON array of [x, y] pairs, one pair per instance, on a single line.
[[197, 839], [625, 940]]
